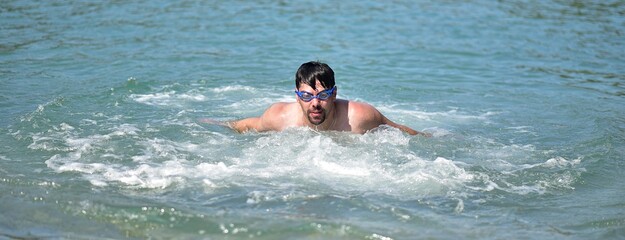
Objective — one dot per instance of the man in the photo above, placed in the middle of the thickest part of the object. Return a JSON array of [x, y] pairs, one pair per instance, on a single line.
[[317, 108]]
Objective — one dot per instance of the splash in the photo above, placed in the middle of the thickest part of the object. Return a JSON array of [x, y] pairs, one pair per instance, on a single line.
[[379, 162], [296, 163]]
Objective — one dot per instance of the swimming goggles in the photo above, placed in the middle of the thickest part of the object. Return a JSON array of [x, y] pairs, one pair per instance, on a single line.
[[323, 95]]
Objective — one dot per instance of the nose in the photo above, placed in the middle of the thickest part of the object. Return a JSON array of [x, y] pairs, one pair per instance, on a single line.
[[315, 102]]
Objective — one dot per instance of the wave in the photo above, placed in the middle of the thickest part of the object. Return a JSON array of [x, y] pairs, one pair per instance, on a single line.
[[176, 152], [383, 162]]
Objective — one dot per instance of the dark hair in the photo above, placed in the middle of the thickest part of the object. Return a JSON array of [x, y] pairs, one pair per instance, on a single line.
[[310, 72]]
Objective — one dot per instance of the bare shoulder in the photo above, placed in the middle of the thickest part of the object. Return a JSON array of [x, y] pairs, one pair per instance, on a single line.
[[367, 117], [363, 111], [276, 117], [363, 116]]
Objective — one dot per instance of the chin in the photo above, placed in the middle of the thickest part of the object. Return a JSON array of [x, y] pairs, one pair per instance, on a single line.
[[316, 121]]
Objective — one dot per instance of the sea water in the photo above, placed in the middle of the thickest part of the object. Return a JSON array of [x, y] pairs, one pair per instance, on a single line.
[[101, 102]]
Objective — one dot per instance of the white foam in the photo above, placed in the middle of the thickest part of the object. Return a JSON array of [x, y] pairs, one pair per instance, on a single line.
[[60, 138], [317, 160], [523, 129], [277, 159], [381, 162], [437, 131], [153, 98], [251, 104], [415, 114], [556, 162], [335, 168], [560, 162], [125, 129], [64, 127], [544, 177], [168, 98], [233, 88]]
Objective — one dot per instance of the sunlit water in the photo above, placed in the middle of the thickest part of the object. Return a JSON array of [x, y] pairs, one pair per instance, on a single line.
[[100, 134]]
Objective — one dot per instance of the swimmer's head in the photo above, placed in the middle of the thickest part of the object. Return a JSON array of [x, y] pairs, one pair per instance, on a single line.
[[311, 72]]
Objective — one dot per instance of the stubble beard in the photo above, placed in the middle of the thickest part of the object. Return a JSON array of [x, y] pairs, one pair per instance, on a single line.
[[319, 119]]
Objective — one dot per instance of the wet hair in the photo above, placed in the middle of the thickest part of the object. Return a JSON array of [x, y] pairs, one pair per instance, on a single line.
[[311, 72]]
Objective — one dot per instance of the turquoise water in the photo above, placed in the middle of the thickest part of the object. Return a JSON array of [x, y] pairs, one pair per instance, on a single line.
[[100, 138]]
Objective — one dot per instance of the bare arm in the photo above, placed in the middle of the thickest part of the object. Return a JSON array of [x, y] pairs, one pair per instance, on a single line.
[[403, 128], [246, 124], [369, 117], [242, 125], [268, 121]]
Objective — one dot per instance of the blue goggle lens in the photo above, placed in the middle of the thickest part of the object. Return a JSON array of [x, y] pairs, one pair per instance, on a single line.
[[307, 97]]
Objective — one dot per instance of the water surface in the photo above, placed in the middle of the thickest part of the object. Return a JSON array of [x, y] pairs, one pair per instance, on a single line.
[[100, 102]]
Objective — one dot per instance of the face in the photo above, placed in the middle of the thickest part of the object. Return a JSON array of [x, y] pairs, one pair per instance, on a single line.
[[316, 110]]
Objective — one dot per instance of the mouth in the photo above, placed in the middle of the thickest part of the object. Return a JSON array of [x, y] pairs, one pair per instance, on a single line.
[[316, 113], [316, 116]]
